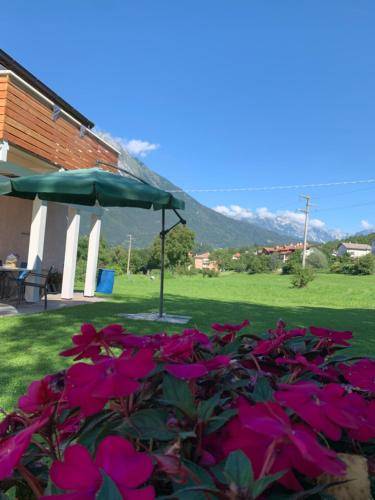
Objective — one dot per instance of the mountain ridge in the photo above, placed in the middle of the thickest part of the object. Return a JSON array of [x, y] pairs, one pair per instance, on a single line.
[[211, 228]]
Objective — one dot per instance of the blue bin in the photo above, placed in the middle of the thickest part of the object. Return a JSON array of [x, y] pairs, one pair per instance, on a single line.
[[106, 279]]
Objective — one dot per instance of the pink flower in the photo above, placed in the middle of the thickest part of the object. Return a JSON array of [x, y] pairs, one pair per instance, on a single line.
[[13, 447], [91, 386], [280, 336], [265, 434], [360, 374], [227, 327], [39, 395], [90, 342], [180, 347], [325, 408], [364, 412], [196, 370], [331, 337], [81, 475]]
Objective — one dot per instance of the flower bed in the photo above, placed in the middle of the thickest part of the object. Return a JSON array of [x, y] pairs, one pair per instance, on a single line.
[[192, 416]]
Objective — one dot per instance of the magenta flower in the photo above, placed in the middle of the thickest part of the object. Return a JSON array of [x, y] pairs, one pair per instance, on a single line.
[[227, 327], [195, 370], [39, 395], [265, 434], [325, 409], [180, 347], [81, 476], [360, 374], [12, 448], [364, 412], [91, 386], [331, 337], [279, 336], [90, 342]]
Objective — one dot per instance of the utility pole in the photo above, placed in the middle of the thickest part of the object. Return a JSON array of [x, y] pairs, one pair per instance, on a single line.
[[129, 253], [306, 211]]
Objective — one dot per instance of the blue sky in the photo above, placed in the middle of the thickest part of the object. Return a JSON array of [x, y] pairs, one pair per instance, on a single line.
[[235, 93]]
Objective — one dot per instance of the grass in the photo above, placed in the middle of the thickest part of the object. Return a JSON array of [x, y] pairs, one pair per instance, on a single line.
[[29, 345]]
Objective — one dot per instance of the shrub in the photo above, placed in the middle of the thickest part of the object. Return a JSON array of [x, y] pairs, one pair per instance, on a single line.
[[293, 263], [189, 414], [347, 265], [302, 277], [364, 265], [210, 273]]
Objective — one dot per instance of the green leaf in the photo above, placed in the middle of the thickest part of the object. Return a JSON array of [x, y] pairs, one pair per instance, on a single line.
[[318, 489], [108, 490], [152, 424], [263, 390], [262, 484], [232, 347], [198, 482], [177, 393], [206, 408], [191, 493], [238, 470], [216, 422]]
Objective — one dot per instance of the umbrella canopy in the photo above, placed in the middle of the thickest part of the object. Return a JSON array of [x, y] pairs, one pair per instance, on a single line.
[[5, 185], [90, 186]]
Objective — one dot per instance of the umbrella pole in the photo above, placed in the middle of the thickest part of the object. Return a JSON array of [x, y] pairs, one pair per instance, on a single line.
[[162, 236]]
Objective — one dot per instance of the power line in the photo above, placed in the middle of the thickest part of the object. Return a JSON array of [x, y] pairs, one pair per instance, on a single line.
[[273, 188]]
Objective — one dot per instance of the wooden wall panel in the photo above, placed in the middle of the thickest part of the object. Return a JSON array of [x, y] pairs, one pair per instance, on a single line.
[[26, 121]]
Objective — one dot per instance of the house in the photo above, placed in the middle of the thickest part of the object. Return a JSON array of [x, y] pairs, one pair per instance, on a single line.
[[39, 133], [202, 261], [283, 251], [236, 256], [373, 247], [353, 249]]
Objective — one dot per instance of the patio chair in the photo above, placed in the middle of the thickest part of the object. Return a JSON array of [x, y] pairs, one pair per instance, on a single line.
[[41, 281]]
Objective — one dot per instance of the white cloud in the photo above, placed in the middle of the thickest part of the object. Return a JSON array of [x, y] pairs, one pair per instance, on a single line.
[[281, 216], [365, 224], [136, 147], [234, 211]]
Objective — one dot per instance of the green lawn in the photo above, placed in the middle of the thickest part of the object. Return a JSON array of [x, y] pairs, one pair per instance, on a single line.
[[29, 345]]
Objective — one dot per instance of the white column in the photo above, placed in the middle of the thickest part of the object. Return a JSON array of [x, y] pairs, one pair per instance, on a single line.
[[71, 246], [92, 255], [4, 148], [36, 244]]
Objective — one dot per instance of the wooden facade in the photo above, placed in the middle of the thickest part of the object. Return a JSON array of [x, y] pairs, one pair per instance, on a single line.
[[27, 122]]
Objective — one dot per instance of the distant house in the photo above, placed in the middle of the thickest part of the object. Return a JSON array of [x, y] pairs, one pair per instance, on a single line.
[[236, 256], [373, 247], [283, 251], [202, 261], [353, 249]]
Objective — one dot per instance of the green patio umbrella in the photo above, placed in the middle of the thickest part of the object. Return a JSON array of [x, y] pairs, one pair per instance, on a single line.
[[94, 185], [5, 185]]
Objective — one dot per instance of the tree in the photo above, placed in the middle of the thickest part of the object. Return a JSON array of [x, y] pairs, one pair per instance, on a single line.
[[293, 263], [179, 244], [317, 259]]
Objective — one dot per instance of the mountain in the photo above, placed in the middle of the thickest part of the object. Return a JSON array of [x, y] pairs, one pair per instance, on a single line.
[[211, 228], [294, 228], [288, 223]]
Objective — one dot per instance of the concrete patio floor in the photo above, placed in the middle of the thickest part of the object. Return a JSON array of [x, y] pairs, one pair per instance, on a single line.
[[11, 308]]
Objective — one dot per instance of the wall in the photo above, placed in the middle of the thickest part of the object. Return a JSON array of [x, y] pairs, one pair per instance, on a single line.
[[26, 121], [15, 221]]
